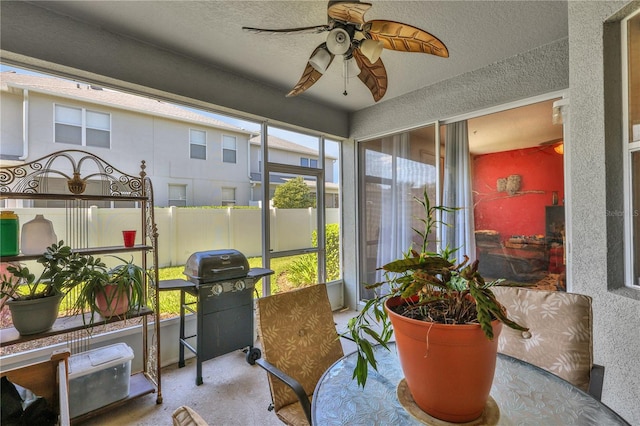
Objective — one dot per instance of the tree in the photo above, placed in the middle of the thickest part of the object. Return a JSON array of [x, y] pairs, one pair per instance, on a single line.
[[293, 194]]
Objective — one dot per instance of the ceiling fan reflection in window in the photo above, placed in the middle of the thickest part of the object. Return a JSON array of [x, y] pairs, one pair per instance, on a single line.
[[360, 43]]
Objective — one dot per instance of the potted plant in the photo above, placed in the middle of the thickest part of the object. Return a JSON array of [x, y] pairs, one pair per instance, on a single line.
[[446, 321], [34, 302], [112, 292]]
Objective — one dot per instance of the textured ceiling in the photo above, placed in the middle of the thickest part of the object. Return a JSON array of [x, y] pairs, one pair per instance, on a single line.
[[477, 33]]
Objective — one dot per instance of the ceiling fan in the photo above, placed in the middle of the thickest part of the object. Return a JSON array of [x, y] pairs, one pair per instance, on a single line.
[[360, 43]]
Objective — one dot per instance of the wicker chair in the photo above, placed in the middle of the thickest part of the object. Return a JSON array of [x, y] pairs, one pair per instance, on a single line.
[[560, 334], [299, 343]]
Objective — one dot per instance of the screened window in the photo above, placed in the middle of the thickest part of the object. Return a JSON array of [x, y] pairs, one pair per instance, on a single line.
[[198, 144], [178, 195], [300, 230], [228, 196], [632, 147], [79, 126], [229, 149]]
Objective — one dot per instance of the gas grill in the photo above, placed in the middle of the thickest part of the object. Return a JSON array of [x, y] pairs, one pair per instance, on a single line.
[[223, 285]]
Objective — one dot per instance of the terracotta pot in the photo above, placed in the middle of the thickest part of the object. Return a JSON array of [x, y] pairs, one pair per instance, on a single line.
[[448, 368], [112, 302]]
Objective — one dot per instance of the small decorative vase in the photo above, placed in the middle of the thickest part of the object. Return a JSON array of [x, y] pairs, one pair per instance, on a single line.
[[37, 235]]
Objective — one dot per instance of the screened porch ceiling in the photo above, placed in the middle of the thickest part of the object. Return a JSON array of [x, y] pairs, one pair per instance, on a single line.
[[477, 34]]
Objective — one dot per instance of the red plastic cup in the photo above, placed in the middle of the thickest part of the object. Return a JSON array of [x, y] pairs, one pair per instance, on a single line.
[[129, 238]]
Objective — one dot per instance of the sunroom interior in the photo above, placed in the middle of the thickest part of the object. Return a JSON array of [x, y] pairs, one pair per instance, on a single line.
[[522, 64]]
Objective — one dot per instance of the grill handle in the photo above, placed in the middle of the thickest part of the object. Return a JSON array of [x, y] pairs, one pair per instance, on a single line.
[[216, 270]]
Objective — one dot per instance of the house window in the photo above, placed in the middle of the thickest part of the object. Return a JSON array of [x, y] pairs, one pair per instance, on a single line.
[[309, 162], [228, 197], [198, 144], [229, 149], [80, 126], [631, 29], [178, 195]]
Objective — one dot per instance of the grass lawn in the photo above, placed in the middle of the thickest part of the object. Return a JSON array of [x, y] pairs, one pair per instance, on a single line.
[[170, 300]]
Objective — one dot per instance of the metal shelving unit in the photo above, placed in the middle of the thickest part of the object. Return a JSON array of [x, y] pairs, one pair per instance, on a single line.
[[88, 179]]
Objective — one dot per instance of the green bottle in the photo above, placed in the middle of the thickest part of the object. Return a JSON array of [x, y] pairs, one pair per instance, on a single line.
[[9, 226]]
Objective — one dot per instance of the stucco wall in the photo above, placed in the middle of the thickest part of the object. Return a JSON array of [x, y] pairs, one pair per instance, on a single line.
[[539, 71], [594, 180]]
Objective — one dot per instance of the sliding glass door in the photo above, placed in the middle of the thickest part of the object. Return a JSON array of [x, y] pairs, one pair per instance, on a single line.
[[393, 171]]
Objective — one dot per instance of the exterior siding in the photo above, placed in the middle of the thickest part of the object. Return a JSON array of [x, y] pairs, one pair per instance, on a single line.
[[160, 140]]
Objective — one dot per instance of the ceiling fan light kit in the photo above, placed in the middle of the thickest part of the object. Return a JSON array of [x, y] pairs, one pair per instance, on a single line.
[[371, 49], [320, 60], [351, 68], [360, 43], [338, 41]]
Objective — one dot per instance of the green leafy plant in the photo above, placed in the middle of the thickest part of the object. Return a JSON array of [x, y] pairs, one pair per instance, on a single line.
[[62, 271], [124, 282], [304, 270], [435, 288], [293, 194]]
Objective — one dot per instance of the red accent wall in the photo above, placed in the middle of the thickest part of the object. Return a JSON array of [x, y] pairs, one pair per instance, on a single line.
[[540, 168]]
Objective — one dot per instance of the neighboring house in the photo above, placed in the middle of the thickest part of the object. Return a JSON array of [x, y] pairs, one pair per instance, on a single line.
[[192, 159], [285, 152]]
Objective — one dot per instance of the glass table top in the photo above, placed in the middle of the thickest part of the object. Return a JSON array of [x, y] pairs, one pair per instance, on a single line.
[[524, 393]]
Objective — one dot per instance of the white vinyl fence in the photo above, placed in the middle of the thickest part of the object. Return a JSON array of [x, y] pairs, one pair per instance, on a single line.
[[183, 231]]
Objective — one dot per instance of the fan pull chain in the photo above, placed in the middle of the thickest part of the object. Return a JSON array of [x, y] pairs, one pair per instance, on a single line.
[[346, 75]]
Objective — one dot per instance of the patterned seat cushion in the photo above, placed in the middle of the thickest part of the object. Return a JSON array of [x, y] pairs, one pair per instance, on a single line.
[[560, 331], [299, 337]]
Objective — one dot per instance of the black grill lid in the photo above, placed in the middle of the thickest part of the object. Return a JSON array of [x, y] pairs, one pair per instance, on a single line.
[[216, 265]]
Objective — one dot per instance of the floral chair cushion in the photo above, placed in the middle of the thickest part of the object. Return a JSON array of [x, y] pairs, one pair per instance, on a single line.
[[560, 331], [299, 337]]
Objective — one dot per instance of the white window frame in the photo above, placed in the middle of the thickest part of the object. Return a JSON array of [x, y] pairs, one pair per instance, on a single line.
[[83, 125], [192, 143], [629, 148], [226, 148], [227, 201], [170, 200], [309, 162]]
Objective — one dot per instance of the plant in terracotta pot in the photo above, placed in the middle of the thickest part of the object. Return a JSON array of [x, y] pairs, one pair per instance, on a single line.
[[445, 320], [34, 302], [112, 292]]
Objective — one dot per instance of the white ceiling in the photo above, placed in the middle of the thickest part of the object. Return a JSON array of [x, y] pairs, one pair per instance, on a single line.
[[476, 32]]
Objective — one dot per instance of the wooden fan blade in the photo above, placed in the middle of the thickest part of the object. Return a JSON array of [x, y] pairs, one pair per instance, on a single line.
[[405, 38], [317, 29], [351, 12], [374, 76], [310, 75]]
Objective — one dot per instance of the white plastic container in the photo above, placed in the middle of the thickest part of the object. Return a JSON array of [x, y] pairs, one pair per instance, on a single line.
[[98, 377]]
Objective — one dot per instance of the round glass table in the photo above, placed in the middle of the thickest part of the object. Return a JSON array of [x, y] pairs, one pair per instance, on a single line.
[[524, 394]]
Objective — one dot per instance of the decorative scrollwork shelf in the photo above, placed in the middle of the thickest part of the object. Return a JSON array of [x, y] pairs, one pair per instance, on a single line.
[[75, 180]]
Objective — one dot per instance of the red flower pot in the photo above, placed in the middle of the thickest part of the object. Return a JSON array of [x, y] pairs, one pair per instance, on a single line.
[[448, 368]]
